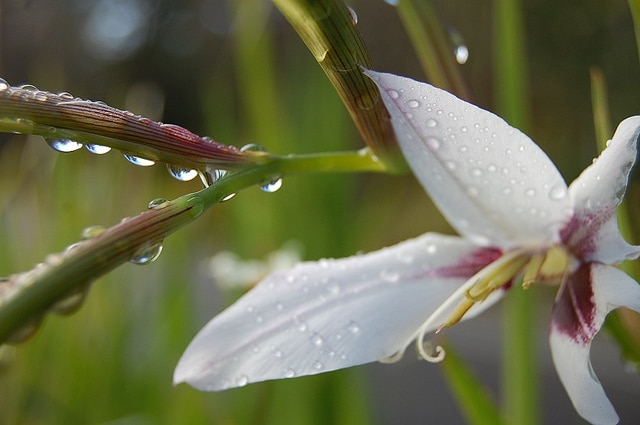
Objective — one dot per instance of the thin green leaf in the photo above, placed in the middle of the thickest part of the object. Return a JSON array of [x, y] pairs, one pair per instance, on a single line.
[[328, 30], [476, 402]]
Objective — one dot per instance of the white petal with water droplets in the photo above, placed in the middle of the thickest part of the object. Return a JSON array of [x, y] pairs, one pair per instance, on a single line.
[[490, 180], [600, 290], [598, 191], [330, 314]]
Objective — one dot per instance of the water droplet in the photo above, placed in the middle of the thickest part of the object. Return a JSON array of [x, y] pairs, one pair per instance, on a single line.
[[492, 168], [476, 172], [461, 53], [393, 94], [135, 160], [557, 192], [390, 276], [317, 365], [473, 191], [354, 15], [3, 85], [182, 174], [65, 95], [433, 143], [607, 143], [289, 373], [92, 231], [450, 165], [229, 196], [158, 203], [242, 380], [353, 327], [272, 185], [64, 145], [301, 326], [71, 303], [431, 123], [28, 87], [316, 340], [147, 254], [413, 103], [530, 192], [97, 149], [253, 147]]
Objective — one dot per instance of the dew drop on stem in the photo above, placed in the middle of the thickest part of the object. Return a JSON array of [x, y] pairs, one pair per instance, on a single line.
[[63, 145], [182, 174], [158, 203], [147, 254], [135, 160], [97, 149], [272, 184]]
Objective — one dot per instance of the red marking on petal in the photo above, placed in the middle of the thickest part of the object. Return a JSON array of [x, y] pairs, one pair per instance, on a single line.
[[580, 233], [471, 264], [574, 311]]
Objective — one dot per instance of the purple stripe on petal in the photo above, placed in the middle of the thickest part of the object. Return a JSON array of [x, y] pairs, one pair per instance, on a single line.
[[581, 232], [574, 311], [471, 264]]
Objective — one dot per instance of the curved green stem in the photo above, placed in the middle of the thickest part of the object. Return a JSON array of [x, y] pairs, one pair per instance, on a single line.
[[26, 297]]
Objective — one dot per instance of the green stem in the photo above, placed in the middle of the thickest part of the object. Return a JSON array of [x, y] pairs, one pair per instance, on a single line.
[[328, 30], [26, 297], [432, 45], [520, 378]]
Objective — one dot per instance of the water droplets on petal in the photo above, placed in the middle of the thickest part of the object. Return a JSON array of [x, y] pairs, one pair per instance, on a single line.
[[413, 103], [431, 123], [558, 192], [97, 149], [135, 160], [63, 145]]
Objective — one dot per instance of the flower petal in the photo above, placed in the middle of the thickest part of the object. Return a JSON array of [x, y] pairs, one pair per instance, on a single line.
[[587, 297], [330, 314], [491, 181], [593, 231]]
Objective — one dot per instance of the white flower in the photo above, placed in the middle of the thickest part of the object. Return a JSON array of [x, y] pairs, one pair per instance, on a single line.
[[517, 220]]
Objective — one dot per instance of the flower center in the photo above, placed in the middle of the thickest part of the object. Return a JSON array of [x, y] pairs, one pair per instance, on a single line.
[[549, 265]]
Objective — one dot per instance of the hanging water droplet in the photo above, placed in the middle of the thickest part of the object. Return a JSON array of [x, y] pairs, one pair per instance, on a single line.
[[135, 160], [72, 302], [3, 85], [461, 53], [158, 203], [272, 185], [147, 254], [182, 174], [97, 149], [25, 332], [354, 15], [92, 231], [64, 145]]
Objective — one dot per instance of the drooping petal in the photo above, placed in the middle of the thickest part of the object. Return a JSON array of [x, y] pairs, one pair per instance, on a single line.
[[587, 297], [330, 314], [489, 179], [593, 231]]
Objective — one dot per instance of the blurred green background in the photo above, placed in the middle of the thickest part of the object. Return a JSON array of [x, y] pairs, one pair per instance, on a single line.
[[235, 71]]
